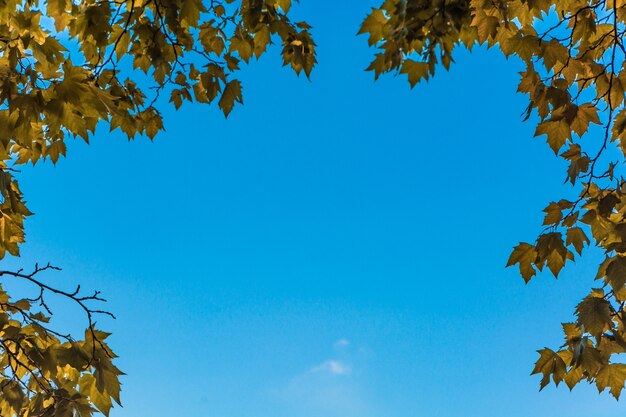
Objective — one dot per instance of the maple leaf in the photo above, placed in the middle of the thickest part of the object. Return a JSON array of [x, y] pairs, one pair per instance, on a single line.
[[611, 376], [525, 255], [576, 237], [374, 24], [554, 214], [415, 70], [594, 315], [557, 131], [230, 96], [549, 364]]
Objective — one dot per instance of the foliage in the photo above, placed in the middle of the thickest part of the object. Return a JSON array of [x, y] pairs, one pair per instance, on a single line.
[[47, 373], [575, 78], [66, 67]]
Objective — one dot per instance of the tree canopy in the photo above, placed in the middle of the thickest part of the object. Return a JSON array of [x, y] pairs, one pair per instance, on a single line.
[[69, 67], [575, 78]]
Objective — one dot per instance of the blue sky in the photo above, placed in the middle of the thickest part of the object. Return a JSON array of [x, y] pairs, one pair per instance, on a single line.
[[336, 248]]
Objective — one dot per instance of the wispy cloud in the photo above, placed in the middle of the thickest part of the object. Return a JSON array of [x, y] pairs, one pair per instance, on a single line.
[[332, 388], [333, 367], [341, 343]]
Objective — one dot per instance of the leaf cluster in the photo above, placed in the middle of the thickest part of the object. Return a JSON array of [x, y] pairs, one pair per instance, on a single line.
[[47, 373], [575, 78], [66, 67]]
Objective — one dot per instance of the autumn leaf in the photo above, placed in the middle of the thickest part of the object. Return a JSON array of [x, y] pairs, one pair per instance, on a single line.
[[416, 71], [374, 25], [230, 96], [525, 255], [576, 237], [594, 315], [611, 376], [554, 214], [549, 364], [557, 131]]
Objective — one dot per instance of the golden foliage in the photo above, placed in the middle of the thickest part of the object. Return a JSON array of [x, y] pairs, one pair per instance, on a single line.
[[67, 67], [575, 77], [63, 78]]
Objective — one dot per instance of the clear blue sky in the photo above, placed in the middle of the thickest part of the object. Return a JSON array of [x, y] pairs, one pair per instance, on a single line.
[[336, 248]]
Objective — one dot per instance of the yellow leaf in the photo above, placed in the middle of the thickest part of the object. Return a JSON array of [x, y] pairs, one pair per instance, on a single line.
[[553, 214], [594, 315], [374, 24], [611, 376], [549, 364], [576, 237], [525, 255], [558, 132], [230, 96], [415, 70]]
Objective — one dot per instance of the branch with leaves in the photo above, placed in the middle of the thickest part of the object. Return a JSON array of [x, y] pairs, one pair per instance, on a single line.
[[46, 372], [575, 78], [111, 61], [103, 62]]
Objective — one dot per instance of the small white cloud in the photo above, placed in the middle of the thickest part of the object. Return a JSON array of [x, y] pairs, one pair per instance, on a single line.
[[333, 367], [323, 394], [342, 343], [330, 388]]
